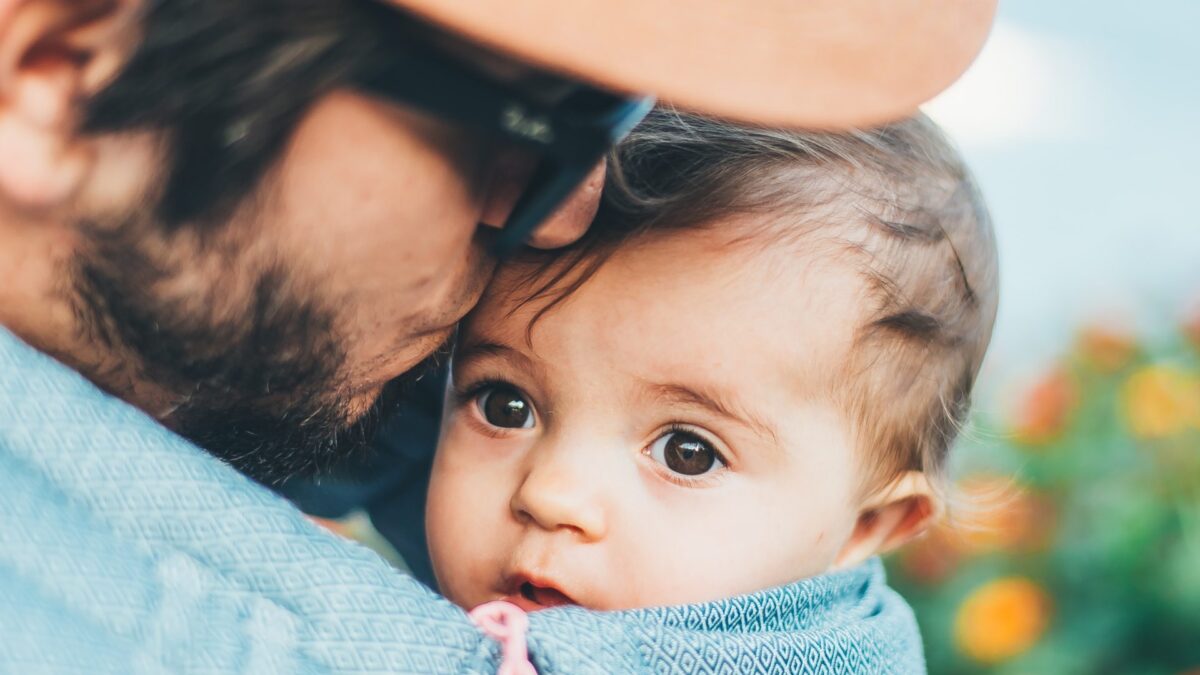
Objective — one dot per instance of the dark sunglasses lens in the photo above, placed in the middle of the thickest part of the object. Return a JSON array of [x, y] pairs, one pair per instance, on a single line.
[[557, 177]]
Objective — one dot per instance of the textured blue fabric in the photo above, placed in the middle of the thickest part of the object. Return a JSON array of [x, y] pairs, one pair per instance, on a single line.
[[124, 549], [391, 482]]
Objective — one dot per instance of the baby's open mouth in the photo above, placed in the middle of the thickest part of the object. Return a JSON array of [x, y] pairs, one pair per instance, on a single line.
[[546, 597], [532, 597]]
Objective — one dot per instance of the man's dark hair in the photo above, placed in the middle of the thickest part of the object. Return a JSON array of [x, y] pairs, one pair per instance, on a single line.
[[227, 81]]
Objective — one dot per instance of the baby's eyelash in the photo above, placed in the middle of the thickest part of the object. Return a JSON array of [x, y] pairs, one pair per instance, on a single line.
[[680, 428], [706, 480], [465, 393]]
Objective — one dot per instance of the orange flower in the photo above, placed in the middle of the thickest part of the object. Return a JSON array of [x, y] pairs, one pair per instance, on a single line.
[[1002, 619], [1106, 348], [1160, 401], [1042, 414]]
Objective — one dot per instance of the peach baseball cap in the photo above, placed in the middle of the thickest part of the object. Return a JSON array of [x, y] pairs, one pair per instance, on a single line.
[[811, 63]]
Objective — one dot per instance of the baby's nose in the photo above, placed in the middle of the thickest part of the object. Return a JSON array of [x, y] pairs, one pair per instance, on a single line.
[[556, 495]]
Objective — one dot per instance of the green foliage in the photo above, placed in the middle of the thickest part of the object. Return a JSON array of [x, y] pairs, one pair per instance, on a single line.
[[1103, 455]]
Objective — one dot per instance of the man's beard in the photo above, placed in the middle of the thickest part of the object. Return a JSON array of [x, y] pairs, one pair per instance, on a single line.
[[303, 436], [259, 387]]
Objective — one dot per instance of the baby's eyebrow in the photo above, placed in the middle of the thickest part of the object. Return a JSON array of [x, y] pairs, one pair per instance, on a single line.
[[714, 402], [474, 349]]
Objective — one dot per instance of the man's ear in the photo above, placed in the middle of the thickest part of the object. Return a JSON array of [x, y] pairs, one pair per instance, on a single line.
[[54, 55], [890, 517]]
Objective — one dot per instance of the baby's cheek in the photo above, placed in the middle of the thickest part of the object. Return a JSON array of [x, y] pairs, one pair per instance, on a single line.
[[727, 546], [465, 526], [447, 523], [687, 553], [451, 551]]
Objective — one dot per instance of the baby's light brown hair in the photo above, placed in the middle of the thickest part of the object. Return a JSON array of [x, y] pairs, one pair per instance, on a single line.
[[897, 201]]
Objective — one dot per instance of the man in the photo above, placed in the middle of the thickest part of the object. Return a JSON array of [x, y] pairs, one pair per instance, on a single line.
[[252, 224]]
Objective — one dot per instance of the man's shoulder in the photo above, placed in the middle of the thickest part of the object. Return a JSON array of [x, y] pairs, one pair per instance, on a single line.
[[124, 548], [85, 593]]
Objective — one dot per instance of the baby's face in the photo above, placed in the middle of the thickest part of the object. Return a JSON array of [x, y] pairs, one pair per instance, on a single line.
[[669, 436]]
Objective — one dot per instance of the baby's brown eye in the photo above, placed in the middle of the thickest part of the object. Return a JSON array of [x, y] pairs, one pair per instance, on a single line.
[[685, 453], [503, 406]]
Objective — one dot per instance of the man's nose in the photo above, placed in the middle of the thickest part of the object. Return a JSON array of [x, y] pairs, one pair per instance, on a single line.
[[562, 227], [559, 492]]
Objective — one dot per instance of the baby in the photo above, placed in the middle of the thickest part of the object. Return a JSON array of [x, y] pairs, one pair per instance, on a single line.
[[749, 373]]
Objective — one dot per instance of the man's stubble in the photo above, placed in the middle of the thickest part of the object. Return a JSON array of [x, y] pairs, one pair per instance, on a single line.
[[251, 363]]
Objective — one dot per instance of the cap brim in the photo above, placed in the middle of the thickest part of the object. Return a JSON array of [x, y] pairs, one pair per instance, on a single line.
[[811, 63]]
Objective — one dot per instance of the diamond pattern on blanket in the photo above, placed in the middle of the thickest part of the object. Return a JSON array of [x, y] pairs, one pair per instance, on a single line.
[[124, 549]]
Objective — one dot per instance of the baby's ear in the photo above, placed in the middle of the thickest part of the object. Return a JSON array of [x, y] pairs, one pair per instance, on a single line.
[[890, 517]]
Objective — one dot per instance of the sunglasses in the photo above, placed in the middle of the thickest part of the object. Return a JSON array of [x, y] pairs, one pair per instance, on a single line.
[[569, 126]]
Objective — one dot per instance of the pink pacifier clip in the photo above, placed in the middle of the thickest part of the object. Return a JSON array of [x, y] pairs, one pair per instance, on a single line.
[[506, 623]]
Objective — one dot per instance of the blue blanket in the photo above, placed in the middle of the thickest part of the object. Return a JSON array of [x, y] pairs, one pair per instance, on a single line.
[[124, 549]]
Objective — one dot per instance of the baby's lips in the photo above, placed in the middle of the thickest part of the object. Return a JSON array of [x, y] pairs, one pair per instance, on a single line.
[[550, 597], [532, 597], [525, 604]]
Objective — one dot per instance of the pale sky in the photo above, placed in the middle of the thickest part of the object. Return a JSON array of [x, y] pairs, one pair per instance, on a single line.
[[1079, 120]]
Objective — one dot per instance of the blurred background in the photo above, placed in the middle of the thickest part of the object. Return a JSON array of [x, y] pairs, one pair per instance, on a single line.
[[1077, 549]]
